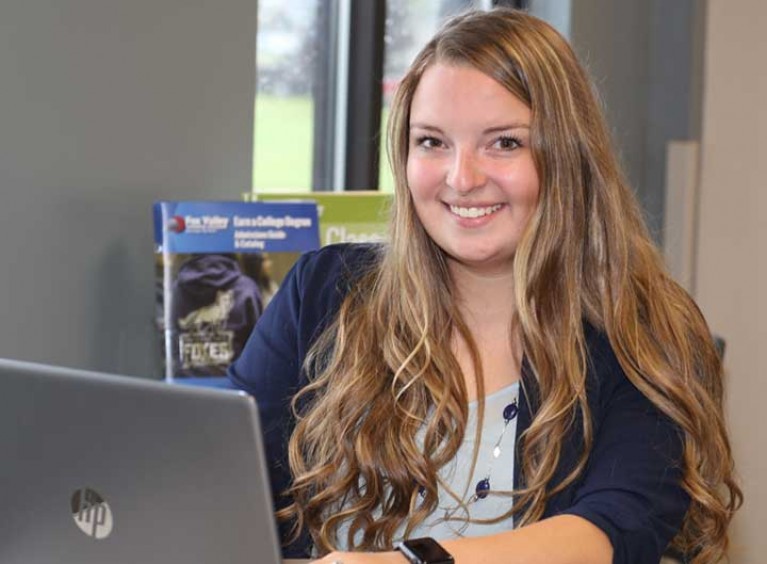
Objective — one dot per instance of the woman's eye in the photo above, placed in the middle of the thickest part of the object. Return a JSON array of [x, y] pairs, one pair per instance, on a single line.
[[428, 142], [507, 143]]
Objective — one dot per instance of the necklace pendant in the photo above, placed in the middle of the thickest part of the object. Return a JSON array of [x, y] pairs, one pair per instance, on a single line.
[[496, 452], [510, 411], [483, 488]]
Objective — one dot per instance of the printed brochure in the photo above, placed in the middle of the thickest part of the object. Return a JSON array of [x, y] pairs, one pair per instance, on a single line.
[[217, 266], [345, 217]]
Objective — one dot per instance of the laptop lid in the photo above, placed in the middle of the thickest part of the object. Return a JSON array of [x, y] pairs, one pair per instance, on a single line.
[[101, 468]]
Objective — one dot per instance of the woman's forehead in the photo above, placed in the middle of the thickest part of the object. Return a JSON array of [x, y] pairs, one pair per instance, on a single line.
[[449, 93]]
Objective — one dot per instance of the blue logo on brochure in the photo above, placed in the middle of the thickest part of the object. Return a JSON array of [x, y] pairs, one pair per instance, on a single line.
[[228, 227]]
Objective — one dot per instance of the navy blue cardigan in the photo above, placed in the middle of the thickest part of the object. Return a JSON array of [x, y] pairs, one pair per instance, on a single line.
[[630, 488]]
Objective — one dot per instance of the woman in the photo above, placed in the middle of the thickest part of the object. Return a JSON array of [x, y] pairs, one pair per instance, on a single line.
[[513, 374]]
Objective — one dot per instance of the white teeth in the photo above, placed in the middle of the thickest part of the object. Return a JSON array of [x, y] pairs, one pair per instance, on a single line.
[[474, 212]]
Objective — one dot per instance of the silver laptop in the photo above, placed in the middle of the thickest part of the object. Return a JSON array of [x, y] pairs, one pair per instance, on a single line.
[[98, 468]]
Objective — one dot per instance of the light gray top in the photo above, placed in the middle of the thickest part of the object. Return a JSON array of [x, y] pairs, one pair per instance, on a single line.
[[458, 512], [458, 517]]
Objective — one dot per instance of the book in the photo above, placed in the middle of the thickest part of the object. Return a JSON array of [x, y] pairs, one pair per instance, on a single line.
[[345, 217], [217, 266]]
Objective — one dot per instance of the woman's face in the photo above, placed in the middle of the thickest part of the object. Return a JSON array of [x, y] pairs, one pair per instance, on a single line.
[[470, 169]]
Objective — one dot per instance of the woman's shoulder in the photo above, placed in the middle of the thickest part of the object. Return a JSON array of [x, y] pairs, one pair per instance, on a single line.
[[604, 371], [606, 376], [598, 346], [346, 253], [342, 256], [337, 263]]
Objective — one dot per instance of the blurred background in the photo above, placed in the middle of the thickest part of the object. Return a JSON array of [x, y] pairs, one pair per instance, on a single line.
[[107, 106]]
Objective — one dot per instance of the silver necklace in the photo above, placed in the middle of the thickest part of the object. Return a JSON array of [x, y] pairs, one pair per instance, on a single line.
[[482, 488]]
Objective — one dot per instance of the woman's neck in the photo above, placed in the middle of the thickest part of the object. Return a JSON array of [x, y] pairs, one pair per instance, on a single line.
[[486, 302], [485, 297]]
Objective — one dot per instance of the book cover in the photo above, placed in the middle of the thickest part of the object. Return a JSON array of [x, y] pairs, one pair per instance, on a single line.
[[345, 217], [217, 266]]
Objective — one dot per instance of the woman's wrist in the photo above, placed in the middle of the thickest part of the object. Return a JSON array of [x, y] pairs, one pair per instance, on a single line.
[[424, 550]]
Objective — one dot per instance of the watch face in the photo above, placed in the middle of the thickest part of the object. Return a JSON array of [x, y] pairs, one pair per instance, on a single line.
[[428, 551]]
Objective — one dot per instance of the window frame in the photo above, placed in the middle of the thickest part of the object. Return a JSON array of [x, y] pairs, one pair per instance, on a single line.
[[347, 128]]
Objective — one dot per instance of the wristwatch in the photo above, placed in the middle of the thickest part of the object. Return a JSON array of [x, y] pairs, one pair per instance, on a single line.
[[424, 551]]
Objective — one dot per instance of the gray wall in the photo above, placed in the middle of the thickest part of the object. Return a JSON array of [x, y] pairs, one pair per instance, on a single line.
[[732, 244], [106, 106], [646, 59]]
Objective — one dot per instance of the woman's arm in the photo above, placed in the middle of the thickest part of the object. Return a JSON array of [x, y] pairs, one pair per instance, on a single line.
[[632, 486], [270, 366], [565, 539]]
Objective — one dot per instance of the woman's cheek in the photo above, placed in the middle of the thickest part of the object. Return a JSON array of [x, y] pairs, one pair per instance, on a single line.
[[424, 174]]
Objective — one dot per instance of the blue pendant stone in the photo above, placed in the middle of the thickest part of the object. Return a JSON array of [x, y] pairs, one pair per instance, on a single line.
[[510, 411], [482, 489]]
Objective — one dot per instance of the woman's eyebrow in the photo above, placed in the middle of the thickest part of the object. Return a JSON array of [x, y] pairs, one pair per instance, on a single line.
[[493, 129], [425, 126], [506, 127]]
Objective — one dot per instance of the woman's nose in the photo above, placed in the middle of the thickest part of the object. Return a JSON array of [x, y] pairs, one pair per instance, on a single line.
[[465, 172]]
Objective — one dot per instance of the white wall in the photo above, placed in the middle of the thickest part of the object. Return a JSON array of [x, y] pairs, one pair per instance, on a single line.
[[731, 274], [105, 106]]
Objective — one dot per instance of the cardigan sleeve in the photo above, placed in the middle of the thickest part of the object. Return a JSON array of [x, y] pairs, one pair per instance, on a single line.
[[631, 488], [268, 369], [270, 366]]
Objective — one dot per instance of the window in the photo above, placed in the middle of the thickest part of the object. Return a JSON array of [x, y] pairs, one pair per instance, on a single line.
[[326, 70], [409, 25], [288, 46]]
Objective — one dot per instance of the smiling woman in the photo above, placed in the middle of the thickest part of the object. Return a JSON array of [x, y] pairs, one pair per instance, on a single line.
[[519, 290], [470, 168]]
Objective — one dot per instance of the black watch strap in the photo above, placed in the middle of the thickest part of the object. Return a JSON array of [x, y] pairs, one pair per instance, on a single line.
[[424, 551]]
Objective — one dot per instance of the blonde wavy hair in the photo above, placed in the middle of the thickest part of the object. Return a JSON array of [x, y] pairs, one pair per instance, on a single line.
[[384, 371]]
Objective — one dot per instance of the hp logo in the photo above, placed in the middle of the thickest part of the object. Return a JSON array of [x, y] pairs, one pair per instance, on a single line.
[[91, 513]]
